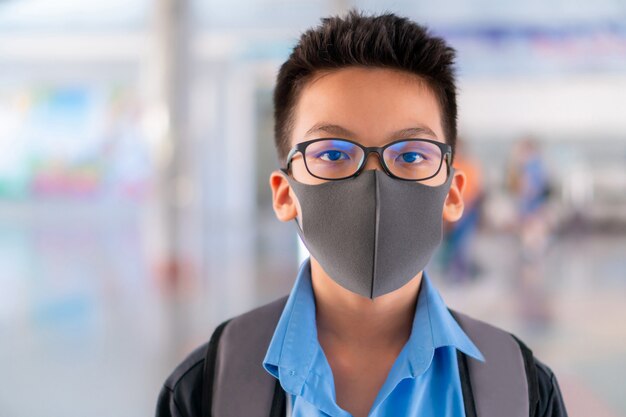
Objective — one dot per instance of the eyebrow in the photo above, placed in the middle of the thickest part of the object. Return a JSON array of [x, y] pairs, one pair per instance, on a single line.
[[330, 129], [333, 129]]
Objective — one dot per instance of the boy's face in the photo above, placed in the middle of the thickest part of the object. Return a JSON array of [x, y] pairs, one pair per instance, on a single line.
[[371, 106]]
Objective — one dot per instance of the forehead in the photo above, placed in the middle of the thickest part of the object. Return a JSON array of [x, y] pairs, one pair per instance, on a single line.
[[372, 105]]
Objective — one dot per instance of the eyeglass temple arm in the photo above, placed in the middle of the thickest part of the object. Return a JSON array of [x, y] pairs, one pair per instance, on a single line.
[[290, 155]]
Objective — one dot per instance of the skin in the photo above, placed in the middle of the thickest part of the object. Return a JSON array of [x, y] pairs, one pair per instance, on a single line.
[[362, 338]]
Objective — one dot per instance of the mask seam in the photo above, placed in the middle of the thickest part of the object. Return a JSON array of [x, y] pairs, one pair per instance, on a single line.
[[376, 183]]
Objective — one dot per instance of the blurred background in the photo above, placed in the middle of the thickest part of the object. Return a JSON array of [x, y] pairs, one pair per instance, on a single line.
[[135, 215]]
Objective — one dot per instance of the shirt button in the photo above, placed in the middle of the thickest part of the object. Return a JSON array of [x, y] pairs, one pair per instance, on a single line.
[[292, 372]]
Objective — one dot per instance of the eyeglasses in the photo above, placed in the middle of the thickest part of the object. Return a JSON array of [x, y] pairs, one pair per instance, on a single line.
[[405, 159]]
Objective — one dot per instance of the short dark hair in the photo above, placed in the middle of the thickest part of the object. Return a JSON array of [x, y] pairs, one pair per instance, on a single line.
[[387, 41]]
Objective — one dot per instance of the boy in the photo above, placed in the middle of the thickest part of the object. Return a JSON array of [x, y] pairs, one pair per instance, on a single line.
[[365, 129]]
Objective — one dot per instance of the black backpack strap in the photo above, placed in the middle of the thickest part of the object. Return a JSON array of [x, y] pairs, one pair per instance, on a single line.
[[236, 385], [499, 386], [531, 376], [209, 370], [279, 402], [466, 385]]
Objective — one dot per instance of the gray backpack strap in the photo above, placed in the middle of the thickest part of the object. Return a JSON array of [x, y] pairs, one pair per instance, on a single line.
[[499, 385], [241, 386], [236, 385]]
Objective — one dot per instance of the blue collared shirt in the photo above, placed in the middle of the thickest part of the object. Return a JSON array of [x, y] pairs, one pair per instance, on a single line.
[[423, 381]]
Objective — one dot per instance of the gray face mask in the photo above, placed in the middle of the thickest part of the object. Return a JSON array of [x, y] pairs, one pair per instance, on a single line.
[[372, 234]]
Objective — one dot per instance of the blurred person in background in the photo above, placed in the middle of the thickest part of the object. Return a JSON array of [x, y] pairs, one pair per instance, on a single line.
[[529, 184], [530, 187], [457, 261], [365, 127]]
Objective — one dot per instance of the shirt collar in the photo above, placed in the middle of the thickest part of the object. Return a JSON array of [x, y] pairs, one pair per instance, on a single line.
[[294, 344], [434, 327]]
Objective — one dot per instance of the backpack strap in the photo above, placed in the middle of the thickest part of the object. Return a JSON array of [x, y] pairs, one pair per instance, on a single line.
[[209, 369], [236, 382], [279, 402], [531, 376], [503, 385], [466, 385]]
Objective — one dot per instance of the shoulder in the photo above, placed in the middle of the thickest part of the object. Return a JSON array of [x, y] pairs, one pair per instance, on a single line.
[[181, 393], [255, 323], [544, 392], [550, 402]]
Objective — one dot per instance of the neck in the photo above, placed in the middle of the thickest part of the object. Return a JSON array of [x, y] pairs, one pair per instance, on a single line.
[[350, 319]]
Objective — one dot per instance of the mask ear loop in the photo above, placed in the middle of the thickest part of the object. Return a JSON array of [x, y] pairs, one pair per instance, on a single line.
[[285, 172]]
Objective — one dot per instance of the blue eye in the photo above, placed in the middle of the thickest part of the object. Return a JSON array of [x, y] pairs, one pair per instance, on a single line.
[[333, 155], [411, 157]]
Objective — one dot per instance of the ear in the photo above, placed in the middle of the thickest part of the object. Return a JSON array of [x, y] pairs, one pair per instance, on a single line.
[[284, 201], [454, 205]]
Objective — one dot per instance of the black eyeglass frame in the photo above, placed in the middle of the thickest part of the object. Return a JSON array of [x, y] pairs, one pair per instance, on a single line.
[[446, 153]]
